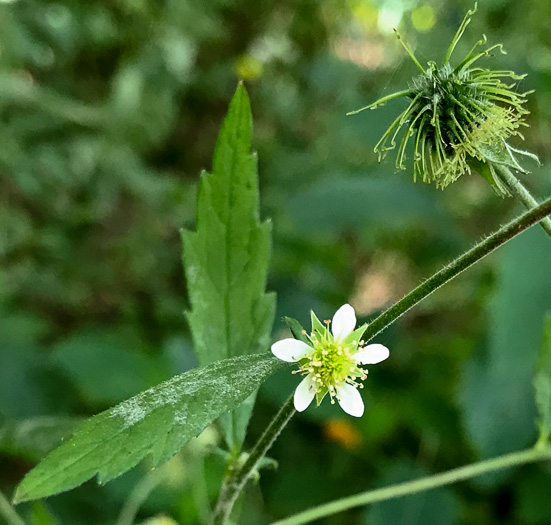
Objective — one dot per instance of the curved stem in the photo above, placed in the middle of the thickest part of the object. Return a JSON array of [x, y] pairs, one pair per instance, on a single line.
[[236, 479], [138, 496], [8, 512], [488, 245], [521, 193], [411, 487]]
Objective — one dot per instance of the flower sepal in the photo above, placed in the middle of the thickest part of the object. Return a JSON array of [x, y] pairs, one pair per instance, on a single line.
[[317, 325], [499, 155], [321, 394], [297, 331], [356, 335]]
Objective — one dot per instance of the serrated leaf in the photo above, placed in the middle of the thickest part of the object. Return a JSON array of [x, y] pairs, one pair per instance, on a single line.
[[226, 258], [156, 423], [542, 382]]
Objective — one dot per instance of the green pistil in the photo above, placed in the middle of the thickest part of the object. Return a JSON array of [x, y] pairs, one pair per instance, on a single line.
[[331, 363]]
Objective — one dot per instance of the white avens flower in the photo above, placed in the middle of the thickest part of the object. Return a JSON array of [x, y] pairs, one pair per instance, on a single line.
[[331, 361]]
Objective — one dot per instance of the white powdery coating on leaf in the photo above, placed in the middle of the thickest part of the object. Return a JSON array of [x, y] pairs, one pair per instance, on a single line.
[[130, 411], [175, 391], [180, 418]]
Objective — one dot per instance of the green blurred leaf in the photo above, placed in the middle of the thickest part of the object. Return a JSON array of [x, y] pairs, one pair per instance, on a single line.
[[351, 202], [532, 495], [160, 520], [41, 515], [226, 258], [29, 385], [33, 438], [157, 422], [497, 393], [542, 382], [437, 507], [86, 356]]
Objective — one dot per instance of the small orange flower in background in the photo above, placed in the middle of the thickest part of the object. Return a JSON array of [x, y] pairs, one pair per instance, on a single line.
[[343, 433]]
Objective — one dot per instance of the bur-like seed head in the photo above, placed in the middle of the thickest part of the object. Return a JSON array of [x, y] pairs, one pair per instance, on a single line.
[[458, 118]]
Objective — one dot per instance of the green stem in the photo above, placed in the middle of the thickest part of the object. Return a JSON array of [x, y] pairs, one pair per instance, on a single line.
[[419, 485], [138, 496], [236, 479], [8, 512], [488, 245], [521, 193]]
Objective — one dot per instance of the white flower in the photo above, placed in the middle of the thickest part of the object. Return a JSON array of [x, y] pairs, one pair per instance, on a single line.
[[331, 361]]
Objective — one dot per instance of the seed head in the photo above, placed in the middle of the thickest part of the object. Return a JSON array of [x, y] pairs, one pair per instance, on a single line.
[[458, 118]]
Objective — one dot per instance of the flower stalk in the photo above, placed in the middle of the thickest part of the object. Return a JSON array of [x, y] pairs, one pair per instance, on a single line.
[[447, 273], [411, 487], [237, 477], [8, 513], [516, 188]]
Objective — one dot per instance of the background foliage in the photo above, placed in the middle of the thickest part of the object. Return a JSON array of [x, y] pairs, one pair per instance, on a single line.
[[109, 112]]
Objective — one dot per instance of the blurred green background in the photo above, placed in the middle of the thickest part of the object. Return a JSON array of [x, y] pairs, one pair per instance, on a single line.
[[109, 110]]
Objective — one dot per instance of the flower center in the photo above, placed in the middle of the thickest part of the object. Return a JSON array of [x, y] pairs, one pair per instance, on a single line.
[[332, 363]]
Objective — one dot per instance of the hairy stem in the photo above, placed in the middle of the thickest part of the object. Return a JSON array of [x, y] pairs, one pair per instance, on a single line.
[[480, 250], [237, 477], [419, 485], [521, 193]]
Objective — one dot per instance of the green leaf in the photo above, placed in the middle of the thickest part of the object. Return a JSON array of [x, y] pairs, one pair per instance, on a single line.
[[41, 515], [157, 422], [542, 383], [226, 258]]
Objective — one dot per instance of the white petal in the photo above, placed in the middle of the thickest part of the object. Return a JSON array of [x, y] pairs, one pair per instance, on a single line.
[[372, 354], [304, 393], [350, 400], [344, 322], [290, 350]]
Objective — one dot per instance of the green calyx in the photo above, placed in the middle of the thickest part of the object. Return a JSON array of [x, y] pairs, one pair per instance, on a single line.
[[458, 118]]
